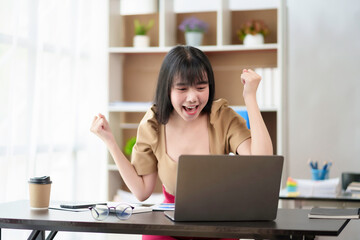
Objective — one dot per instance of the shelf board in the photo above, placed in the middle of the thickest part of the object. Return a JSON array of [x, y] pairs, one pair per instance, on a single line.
[[129, 125], [223, 48], [139, 50], [144, 106], [239, 47], [262, 108], [129, 106], [112, 167]]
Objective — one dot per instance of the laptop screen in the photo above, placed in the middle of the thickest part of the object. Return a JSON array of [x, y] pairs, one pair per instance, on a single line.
[[227, 187]]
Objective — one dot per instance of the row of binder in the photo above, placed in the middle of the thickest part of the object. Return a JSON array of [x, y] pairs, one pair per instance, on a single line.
[[269, 90]]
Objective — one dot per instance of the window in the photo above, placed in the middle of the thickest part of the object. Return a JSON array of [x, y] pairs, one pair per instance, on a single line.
[[52, 83]]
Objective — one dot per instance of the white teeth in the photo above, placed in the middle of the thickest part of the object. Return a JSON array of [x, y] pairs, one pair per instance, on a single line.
[[193, 108]]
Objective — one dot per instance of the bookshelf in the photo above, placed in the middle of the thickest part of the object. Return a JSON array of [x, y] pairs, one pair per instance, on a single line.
[[133, 72]]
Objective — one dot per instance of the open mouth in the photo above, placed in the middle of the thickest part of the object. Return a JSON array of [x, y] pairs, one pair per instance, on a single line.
[[191, 110]]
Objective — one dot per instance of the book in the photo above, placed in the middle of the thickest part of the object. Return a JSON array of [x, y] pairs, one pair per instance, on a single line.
[[164, 207], [267, 87], [354, 187], [334, 213], [260, 91]]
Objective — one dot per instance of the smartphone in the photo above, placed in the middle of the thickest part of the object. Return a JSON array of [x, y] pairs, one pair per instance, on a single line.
[[81, 205]]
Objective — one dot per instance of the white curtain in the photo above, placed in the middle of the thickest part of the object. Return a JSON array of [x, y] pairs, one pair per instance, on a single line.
[[52, 82]]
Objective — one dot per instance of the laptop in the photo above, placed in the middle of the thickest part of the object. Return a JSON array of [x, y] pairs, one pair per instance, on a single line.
[[227, 188]]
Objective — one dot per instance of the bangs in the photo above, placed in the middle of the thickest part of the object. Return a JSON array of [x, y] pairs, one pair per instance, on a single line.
[[182, 65], [191, 73]]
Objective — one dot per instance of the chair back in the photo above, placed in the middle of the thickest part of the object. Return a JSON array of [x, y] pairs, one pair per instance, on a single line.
[[347, 178]]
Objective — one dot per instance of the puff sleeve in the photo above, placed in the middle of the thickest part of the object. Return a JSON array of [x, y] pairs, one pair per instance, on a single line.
[[229, 128], [143, 158]]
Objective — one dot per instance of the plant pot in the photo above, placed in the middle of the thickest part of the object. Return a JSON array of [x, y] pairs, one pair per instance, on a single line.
[[253, 40], [194, 38], [141, 41]]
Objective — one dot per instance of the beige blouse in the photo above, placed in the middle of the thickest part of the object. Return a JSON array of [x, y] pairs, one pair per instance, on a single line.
[[227, 130]]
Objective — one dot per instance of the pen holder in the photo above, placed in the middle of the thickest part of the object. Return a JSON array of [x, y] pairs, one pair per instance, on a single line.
[[320, 174]]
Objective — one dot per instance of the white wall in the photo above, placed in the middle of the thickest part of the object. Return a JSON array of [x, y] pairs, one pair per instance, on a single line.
[[324, 89], [323, 85]]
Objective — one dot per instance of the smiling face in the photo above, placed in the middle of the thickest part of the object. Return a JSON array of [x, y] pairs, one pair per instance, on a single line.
[[189, 100], [183, 70]]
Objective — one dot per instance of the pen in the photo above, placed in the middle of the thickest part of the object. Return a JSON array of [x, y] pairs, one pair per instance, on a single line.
[[325, 166], [313, 165], [329, 165]]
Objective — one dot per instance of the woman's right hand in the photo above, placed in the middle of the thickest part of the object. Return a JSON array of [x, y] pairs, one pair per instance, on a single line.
[[101, 128], [140, 186]]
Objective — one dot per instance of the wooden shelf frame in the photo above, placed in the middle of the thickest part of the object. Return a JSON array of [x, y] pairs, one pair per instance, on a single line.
[[131, 88]]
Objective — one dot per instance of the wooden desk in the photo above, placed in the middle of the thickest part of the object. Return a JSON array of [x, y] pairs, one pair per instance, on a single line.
[[290, 224]]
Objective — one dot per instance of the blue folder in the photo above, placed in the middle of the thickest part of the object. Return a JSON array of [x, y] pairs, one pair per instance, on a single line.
[[245, 115]]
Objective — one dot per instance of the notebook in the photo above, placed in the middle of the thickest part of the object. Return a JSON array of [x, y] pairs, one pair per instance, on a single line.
[[227, 188], [333, 213]]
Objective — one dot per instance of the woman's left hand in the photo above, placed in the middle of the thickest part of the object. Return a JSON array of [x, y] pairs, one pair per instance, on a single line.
[[260, 142], [251, 81]]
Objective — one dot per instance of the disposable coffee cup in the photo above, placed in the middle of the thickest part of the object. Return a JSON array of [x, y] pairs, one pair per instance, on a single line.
[[39, 190]]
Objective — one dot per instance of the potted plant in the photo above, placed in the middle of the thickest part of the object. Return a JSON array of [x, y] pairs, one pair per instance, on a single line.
[[194, 29], [253, 32], [129, 146], [140, 38]]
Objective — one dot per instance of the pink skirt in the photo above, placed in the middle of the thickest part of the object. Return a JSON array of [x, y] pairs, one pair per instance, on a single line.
[[171, 199]]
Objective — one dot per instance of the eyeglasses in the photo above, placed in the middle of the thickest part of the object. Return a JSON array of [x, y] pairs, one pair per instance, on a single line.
[[101, 212]]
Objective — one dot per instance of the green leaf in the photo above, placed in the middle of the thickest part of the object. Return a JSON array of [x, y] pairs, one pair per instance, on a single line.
[[129, 146], [142, 29]]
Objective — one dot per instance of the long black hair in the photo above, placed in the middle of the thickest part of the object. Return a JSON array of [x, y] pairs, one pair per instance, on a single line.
[[190, 65]]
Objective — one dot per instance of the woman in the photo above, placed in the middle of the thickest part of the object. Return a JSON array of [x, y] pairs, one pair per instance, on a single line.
[[186, 119]]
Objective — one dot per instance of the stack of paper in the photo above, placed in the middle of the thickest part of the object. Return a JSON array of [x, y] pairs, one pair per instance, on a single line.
[[324, 188], [354, 187]]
